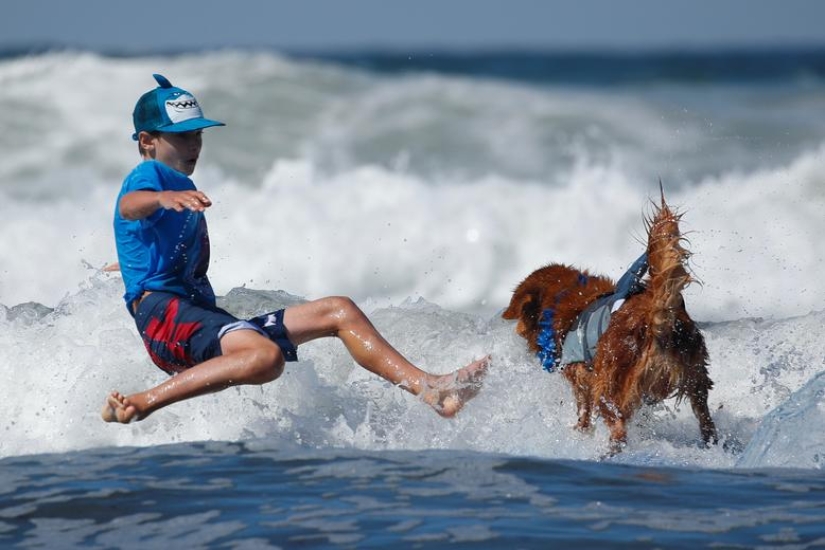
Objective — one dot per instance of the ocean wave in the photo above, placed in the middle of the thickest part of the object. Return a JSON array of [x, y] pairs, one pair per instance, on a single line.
[[432, 125], [374, 233]]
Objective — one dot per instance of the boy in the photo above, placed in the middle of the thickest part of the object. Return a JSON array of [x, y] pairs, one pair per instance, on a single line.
[[163, 252]]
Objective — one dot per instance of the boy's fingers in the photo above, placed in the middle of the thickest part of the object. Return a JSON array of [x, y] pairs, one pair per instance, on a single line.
[[188, 200], [198, 200]]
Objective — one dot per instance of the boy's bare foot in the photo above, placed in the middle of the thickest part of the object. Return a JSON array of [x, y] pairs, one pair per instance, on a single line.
[[450, 392], [118, 409]]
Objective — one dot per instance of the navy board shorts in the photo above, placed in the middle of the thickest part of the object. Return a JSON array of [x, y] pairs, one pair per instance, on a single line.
[[179, 334]]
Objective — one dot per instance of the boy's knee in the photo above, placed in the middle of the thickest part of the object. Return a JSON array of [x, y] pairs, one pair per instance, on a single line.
[[342, 307], [266, 363]]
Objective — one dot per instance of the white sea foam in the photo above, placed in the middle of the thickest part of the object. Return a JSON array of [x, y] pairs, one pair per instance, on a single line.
[[63, 364], [374, 233]]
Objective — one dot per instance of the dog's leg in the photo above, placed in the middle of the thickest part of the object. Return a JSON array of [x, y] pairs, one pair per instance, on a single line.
[[580, 380], [615, 421], [699, 404]]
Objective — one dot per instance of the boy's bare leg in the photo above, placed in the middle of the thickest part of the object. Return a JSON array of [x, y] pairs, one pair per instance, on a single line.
[[340, 317], [248, 358]]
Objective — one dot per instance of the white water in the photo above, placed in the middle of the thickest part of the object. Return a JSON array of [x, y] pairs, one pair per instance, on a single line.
[[329, 181], [64, 363]]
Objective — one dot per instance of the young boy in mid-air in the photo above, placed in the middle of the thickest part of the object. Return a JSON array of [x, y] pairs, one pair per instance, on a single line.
[[163, 252]]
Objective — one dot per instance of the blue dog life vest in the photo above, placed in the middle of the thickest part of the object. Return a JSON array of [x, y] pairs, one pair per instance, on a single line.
[[580, 342]]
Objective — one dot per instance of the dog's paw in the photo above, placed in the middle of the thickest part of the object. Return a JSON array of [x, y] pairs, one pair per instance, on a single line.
[[587, 429], [614, 448], [732, 445]]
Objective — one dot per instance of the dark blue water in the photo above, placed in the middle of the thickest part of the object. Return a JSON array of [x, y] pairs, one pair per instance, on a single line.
[[600, 68], [244, 495]]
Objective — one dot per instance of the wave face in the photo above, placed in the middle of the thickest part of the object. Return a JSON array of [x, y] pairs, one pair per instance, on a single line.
[[425, 193]]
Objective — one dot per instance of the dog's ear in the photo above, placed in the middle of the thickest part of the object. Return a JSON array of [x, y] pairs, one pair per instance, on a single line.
[[531, 309], [513, 310], [526, 307]]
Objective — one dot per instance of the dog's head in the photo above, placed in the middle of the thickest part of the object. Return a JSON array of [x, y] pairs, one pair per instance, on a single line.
[[526, 308]]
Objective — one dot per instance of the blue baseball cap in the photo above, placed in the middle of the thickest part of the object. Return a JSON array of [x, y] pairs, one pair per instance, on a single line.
[[168, 109]]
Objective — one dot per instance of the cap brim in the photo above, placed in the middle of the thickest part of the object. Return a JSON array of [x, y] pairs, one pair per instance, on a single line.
[[185, 126], [189, 125]]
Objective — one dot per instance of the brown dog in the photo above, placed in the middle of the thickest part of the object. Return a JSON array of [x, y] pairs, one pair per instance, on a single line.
[[651, 349]]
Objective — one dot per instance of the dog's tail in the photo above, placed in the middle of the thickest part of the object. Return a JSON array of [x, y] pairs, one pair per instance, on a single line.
[[668, 267]]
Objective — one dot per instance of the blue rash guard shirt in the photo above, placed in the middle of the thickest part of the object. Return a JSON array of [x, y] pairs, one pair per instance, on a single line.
[[167, 251]]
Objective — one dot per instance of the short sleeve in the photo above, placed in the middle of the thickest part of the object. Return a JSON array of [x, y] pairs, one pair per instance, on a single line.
[[144, 178]]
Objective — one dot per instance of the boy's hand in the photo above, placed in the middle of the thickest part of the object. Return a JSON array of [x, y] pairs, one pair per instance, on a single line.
[[196, 201]]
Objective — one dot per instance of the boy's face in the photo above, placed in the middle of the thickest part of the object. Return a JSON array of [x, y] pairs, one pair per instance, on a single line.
[[176, 150]]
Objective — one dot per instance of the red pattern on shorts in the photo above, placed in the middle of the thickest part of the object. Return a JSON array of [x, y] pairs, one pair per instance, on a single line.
[[173, 336]]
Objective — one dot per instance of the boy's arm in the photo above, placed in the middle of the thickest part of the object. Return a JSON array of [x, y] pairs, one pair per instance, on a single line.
[[138, 205]]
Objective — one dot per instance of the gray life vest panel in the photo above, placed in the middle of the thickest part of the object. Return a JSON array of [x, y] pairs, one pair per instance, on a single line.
[[580, 343]]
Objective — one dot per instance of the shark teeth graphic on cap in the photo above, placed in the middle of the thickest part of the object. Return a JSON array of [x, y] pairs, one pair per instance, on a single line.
[[183, 107]]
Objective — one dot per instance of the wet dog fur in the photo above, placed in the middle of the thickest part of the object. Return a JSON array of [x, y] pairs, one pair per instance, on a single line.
[[652, 350]]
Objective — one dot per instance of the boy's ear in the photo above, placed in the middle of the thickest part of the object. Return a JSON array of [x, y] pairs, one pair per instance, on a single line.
[[146, 143]]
